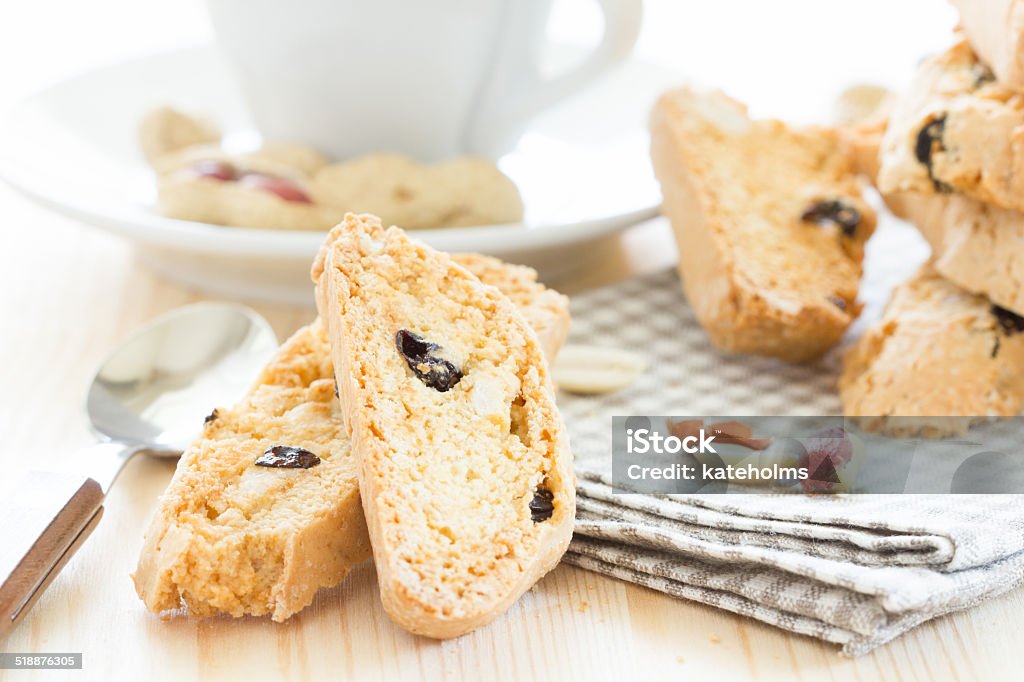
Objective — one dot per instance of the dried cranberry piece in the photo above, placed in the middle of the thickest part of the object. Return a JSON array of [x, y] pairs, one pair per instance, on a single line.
[[928, 141], [284, 189], [436, 372], [215, 170], [287, 457], [226, 172], [212, 416], [1010, 322], [834, 211]]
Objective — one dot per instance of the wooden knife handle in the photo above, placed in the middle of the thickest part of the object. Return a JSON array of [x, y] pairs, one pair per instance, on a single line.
[[45, 518]]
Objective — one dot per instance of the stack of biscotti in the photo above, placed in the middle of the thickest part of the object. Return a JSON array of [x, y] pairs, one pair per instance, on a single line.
[[769, 220], [948, 156], [264, 508]]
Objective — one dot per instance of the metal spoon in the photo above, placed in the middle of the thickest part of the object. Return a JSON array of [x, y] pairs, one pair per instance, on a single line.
[[150, 395]]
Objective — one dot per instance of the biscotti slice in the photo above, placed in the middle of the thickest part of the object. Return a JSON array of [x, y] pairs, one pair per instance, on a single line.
[[974, 245], [465, 468], [545, 310], [955, 129], [275, 565], [263, 509], [770, 224], [938, 351], [995, 29]]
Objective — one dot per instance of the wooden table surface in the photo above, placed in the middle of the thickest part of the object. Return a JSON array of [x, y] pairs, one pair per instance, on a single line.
[[69, 293]]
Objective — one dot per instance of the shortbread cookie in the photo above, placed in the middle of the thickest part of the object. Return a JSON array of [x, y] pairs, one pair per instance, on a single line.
[[296, 157], [465, 469], [233, 537], [770, 224], [205, 184], [472, 191], [165, 130], [293, 162], [995, 29], [293, 187], [198, 180], [956, 129], [938, 351], [457, 193]]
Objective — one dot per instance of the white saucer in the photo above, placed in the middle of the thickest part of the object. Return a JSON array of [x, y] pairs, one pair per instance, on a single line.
[[582, 168]]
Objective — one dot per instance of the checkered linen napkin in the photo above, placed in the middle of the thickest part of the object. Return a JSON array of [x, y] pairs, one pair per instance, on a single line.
[[857, 570]]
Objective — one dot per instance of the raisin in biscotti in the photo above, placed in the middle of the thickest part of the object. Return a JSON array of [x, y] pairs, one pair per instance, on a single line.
[[938, 351], [995, 29], [233, 537], [465, 469], [955, 129], [769, 221]]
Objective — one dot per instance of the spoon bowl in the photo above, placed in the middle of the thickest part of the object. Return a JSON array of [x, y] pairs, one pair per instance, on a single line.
[[156, 388]]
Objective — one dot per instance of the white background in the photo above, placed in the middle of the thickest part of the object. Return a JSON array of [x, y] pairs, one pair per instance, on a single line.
[[785, 57]]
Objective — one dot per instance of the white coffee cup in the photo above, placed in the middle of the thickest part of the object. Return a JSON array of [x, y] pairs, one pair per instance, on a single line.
[[428, 78]]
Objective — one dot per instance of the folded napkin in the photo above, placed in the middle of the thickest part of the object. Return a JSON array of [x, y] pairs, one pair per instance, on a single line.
[[857, 570]]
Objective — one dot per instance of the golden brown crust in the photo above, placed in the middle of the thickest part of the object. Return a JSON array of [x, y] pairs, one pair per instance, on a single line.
[[447, 477], [760, 279]]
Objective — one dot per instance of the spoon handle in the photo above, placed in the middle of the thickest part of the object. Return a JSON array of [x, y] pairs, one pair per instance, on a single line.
[[46, 519]]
